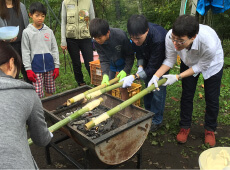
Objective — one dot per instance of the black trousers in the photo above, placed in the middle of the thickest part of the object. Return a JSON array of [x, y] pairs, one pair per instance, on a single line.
[[74, 46], [17, 47], [212, 93]]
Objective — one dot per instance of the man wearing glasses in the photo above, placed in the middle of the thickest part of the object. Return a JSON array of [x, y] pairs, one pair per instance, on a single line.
[[201, 52], [148, 41]]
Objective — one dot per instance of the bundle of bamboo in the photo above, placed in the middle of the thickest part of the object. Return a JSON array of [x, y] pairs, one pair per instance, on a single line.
[[86, 108], [83, 95], [121, 106]]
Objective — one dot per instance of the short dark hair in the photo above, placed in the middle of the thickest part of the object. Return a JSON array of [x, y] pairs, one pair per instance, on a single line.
[[137, 24], [98, 27], [185, 25], [37, 7], [7, 52]]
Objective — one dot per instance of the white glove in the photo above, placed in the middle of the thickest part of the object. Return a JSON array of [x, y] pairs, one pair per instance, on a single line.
[[51, 134], [154, 81], [140, 69], [170, 79], [128, 81]]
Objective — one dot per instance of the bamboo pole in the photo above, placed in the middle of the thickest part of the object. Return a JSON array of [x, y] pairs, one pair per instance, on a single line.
[[86, 108], [102, 91], [83, 95], [121, 106]]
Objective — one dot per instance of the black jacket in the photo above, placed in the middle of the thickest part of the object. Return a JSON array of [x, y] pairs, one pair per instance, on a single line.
[[152, 51], [115, 49]]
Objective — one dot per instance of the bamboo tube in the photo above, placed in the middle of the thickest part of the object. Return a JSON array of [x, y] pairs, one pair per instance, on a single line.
[[121, 106], [83, 95], [86, 108], [102, 91]]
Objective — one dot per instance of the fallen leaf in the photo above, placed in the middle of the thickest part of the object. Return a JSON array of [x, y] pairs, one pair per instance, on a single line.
[[200, 96], [202, 85], [175, 99]]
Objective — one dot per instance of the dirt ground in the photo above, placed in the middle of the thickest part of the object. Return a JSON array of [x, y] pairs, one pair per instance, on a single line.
[[169, 155]]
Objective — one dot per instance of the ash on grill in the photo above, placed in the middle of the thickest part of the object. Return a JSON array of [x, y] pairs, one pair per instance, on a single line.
[[96, 131]]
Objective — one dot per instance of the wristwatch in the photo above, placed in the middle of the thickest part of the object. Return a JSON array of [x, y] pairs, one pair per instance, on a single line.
[[180, 78]]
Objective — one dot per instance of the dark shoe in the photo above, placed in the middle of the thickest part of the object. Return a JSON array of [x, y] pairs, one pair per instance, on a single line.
[[210, 138], [154, 127], [182, 136], [82, 84]]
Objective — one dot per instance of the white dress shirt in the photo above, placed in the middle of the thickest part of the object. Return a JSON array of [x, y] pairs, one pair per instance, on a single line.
[[205, 56]]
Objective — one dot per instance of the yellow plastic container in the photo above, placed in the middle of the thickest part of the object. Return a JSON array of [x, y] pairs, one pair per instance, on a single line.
[[133, 90]]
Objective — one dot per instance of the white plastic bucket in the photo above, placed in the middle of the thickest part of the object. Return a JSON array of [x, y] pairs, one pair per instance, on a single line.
[[215, 158], [8, 32]]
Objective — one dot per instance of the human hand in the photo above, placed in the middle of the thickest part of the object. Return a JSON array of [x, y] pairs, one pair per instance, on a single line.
[[128, 81], [64, 48], [154, 81], [140, 69], [170, 79], [31, 75], [56, 73], [14, 39], [11, 40], [121, 75], [105, 79]]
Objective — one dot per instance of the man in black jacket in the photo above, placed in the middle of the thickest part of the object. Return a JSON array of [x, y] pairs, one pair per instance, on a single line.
[[148, 41]]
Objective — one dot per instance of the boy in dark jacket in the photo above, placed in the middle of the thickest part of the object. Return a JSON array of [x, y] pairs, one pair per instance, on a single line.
[[148, 42], [40, 52], [114, 49]]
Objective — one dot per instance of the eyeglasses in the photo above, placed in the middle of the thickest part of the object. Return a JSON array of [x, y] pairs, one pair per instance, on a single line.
[[178, 42]]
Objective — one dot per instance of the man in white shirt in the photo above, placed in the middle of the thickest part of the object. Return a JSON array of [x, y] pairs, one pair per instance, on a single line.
[[201, 51]]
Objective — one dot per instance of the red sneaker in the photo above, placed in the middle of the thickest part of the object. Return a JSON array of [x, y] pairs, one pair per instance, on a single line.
[[183, 135], [210, 138]]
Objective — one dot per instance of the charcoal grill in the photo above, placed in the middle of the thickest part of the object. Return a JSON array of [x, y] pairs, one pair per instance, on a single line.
[[116, 146]]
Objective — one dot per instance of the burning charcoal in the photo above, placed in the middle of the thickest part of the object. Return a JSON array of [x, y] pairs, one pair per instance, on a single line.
[[80, 122], [87, 114], [90, 133], [108, 125], [88, 119], [116, 123], [101, 129], [68, 114], [74, 126], [98, 135], [94, 115], [95, 132], [81, 127]]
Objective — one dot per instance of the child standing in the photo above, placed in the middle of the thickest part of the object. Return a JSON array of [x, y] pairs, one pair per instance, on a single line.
[[40, 52]]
